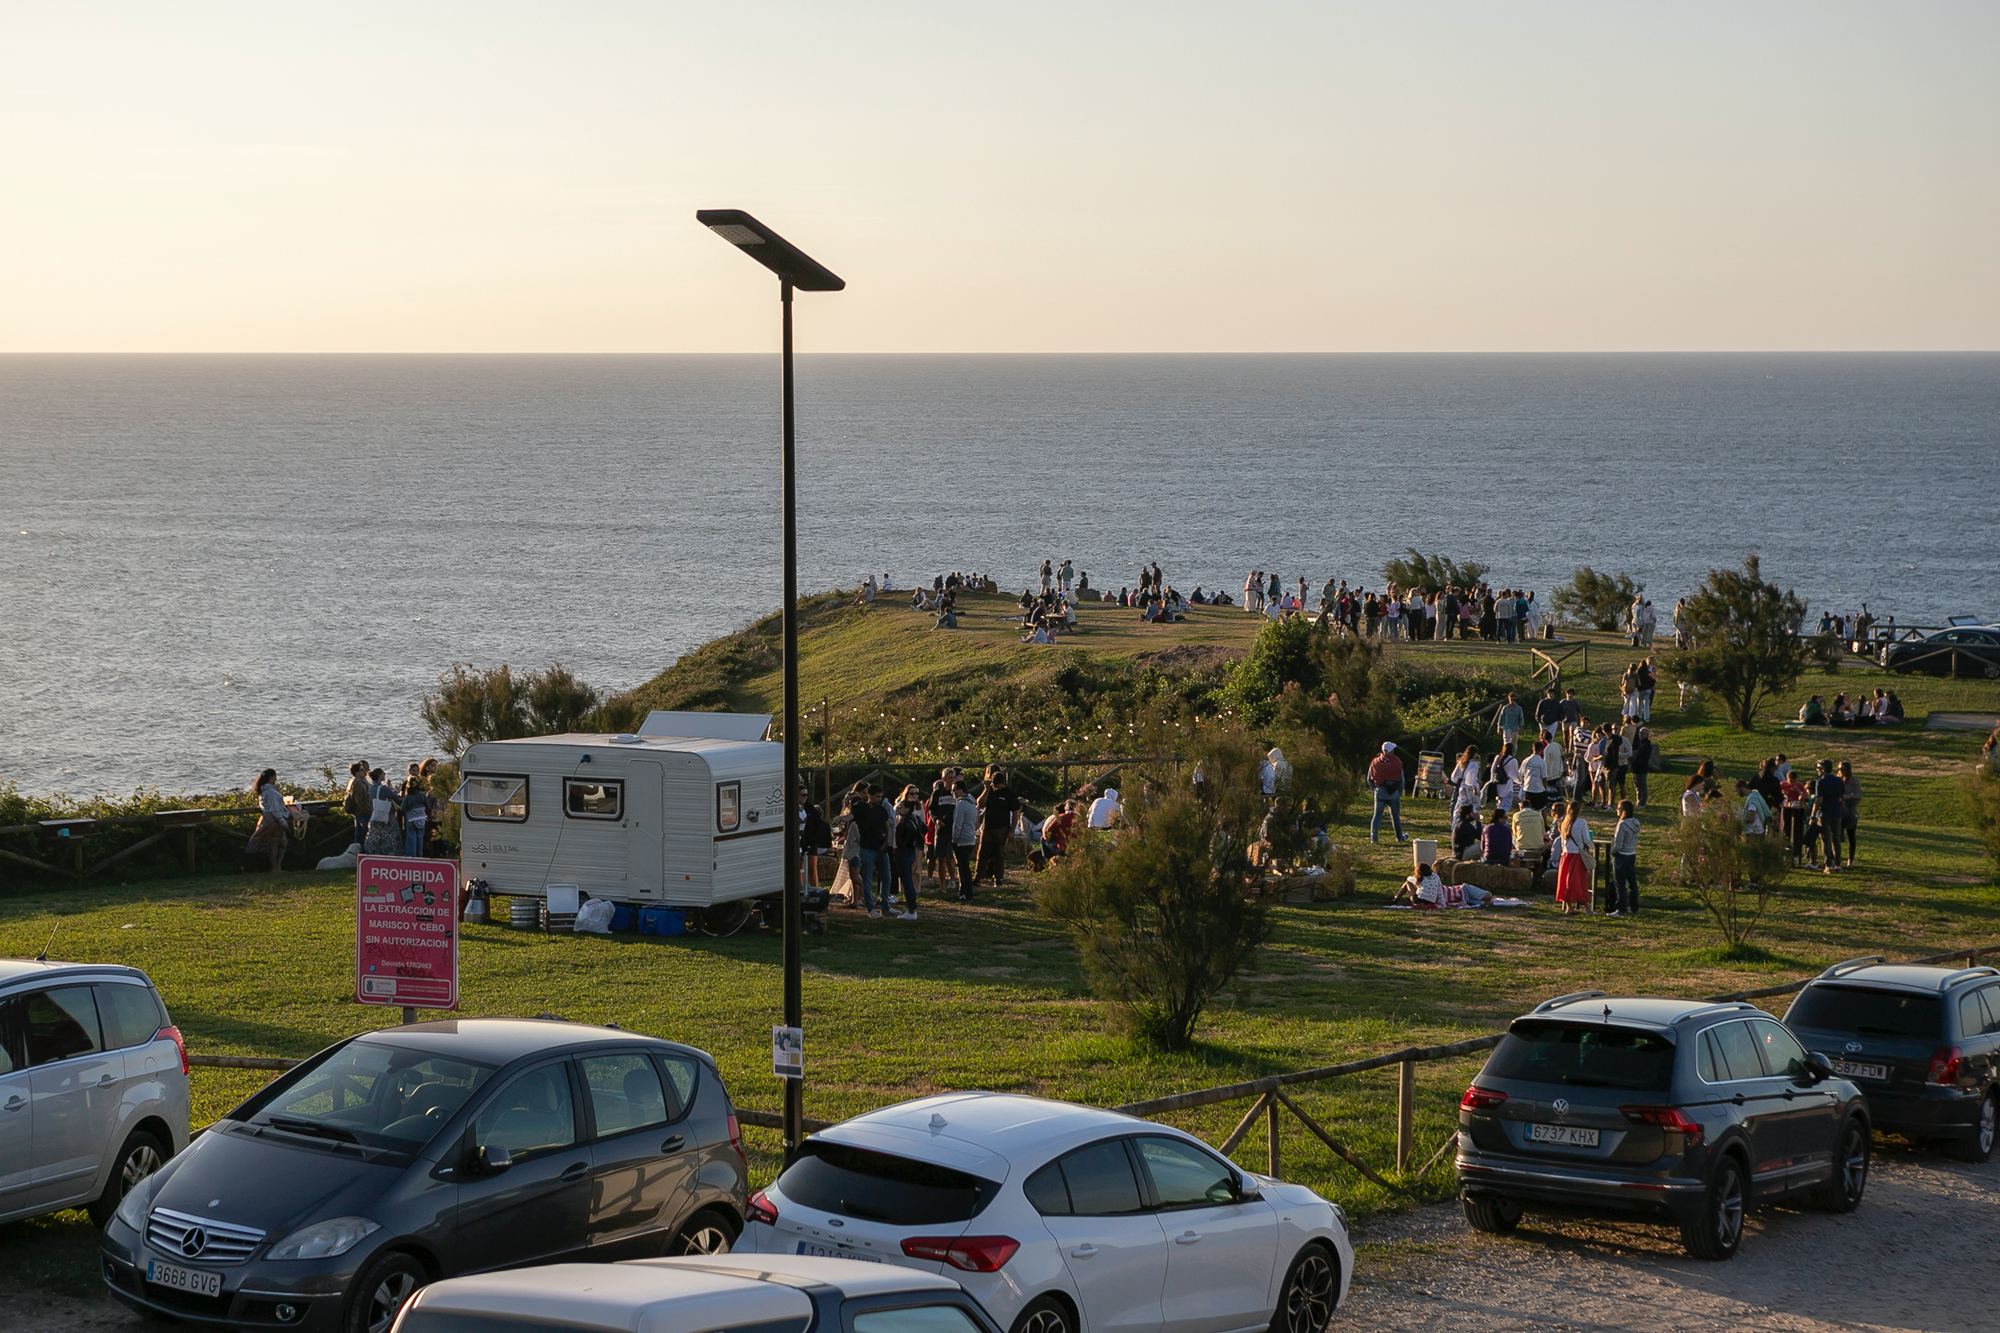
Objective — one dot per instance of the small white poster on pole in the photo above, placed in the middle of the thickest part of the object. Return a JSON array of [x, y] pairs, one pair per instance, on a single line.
[[788, 1052]]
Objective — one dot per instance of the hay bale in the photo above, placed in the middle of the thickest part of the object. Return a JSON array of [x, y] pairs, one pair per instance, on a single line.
[[1511, 881]]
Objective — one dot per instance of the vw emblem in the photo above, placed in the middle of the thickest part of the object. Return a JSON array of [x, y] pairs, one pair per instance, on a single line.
[[1561, 1105], [1852, 1048], [194, 1242]]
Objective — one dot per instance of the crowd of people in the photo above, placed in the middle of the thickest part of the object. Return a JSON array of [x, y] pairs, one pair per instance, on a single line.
[[392, 818], [1882, 709], [1481, 611]]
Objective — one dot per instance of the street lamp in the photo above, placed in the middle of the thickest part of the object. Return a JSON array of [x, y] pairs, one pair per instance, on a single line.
[[796, 270]]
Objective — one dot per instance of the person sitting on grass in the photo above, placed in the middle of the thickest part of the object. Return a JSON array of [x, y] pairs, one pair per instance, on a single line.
[[1423, 889], [1531, 836], [1465, 834], [1812, 713], [1496, 840]]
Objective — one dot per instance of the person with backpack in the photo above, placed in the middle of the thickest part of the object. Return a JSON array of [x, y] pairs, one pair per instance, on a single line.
[[1385, 776]]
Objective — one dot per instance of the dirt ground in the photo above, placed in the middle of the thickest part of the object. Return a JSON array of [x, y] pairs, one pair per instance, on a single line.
[[1922, 1253]]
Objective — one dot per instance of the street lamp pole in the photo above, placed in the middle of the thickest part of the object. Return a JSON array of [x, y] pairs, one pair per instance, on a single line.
[[795, 270]]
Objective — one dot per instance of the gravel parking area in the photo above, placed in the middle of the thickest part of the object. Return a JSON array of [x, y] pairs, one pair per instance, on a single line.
[[1923, 1252]]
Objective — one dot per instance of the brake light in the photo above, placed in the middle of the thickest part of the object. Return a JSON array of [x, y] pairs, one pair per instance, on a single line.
[[173, 1034], [1477, 1098], [1670, 1118], [736, 1137], [1946, 1062], [761, 1209], [973, 1254]]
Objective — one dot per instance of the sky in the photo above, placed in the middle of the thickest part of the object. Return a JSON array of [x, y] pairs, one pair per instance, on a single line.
[[1085, 176]]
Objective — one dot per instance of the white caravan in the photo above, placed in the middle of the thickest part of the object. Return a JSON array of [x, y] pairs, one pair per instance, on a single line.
[[688, 812]]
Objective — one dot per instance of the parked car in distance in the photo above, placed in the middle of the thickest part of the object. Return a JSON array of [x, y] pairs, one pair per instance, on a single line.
[[1061, 1218], [402, 1156], [1922, 1043], [705, 1294], [1686, 1110], [93, 1086], [1967, 650]]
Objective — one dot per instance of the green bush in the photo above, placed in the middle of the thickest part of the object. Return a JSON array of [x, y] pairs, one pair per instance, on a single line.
[[1600, 601], [1432, 573]]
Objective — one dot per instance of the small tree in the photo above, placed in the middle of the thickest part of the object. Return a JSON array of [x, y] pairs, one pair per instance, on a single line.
[[1734, 877], [1598, 600], [471, 705], [1431, 573], [1157, 911], [1744, 649]]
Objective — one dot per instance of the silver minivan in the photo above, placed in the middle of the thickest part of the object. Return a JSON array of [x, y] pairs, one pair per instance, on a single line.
[[93, 1086]]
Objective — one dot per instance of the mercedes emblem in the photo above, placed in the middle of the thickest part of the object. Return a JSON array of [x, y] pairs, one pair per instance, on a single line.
[[194, 1242]]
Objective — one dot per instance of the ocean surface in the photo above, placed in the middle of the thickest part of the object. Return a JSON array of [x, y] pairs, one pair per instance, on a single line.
[[210, 564]]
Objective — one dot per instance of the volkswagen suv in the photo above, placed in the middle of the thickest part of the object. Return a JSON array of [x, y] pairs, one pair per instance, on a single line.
[[1922, 1042], [1690, 1111]]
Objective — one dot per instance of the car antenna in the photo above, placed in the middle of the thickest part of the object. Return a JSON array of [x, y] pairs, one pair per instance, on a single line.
[[1607, 1013], [43, 956]]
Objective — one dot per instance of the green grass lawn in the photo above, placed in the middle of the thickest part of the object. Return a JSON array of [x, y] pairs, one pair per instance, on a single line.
[[990, 996]]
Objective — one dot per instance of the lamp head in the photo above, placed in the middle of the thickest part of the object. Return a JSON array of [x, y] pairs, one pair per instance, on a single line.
[[773, 251]]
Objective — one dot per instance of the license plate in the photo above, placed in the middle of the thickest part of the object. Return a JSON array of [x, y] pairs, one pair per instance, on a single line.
[[828, 1252], [175, 1278], [1849, 1069], [1569, 1136]]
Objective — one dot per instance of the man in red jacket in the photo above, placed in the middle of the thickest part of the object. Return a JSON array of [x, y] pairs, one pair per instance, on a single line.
[[1385, 775]]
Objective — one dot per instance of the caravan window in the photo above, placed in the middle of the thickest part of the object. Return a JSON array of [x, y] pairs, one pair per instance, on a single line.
[[728, 805], [593, 800], [499, 797]]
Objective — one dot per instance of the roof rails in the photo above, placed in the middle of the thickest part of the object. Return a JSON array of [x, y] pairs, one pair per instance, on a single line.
[[1852, 965], [1562, 1000], [1965, 972]]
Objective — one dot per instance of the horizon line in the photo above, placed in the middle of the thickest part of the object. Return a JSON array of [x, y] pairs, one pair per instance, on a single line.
[[933, 352]]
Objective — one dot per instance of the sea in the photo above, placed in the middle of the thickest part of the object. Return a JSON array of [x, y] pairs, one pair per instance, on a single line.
[[210, 564]]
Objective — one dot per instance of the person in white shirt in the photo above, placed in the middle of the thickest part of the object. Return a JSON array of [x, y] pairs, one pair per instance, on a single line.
[[1104, 811], [1467, 777], [1554, 765], [1534, 777]]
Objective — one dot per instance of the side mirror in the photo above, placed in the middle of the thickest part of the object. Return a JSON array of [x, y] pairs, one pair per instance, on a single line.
[[1247, 1190], [1818, 1067], [488, 1160]]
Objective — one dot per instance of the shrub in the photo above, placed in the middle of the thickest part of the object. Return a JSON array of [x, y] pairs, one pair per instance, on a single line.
[[1598, 600], [1734, 878], [1744, 649], [1982, 794], [1432, 573], [470, 705]]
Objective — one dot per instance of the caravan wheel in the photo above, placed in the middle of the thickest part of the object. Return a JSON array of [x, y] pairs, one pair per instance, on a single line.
[[725, 918]]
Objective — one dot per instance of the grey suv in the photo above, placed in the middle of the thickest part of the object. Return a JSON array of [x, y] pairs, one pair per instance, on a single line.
[[93, 1086], [1922, 1042], [420, 1152], [1691, 1111]]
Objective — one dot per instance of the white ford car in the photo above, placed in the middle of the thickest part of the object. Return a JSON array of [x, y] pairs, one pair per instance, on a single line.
[[1061, 1218]]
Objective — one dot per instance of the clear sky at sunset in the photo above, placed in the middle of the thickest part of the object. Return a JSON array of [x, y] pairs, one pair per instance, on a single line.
[[1231, 175]]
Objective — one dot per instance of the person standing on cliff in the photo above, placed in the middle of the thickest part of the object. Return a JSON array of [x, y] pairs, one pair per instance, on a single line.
[[359, 802]]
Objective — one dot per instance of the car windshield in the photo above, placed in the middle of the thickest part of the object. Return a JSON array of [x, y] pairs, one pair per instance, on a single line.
[[1862, 1010], [1584, 1055], [373, 1094], [881, 1187]]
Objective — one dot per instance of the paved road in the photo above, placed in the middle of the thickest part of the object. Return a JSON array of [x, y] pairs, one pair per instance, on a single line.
[[1923, 1253]]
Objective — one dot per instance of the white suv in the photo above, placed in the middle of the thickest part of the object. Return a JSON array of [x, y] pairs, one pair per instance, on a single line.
[[93, 1086], [1061, 1218]]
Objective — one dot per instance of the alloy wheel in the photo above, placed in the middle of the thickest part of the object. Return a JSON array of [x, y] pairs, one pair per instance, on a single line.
[[1854, 1163], [706, 1239], [1729, 1208], [142, 1161], [1309, 1301], [1048, 1320], [387, 1299], [1989, 1113]]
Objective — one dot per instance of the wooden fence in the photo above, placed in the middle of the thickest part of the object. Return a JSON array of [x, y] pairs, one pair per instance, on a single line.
[[1270, 1095], [65, 843]]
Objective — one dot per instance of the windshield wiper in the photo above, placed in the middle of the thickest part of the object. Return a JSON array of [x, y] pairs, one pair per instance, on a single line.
[[318, 1129]]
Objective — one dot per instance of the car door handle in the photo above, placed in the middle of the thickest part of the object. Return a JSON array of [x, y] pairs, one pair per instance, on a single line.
[[576, 1172], [1738, 1099], [1083, 1252], [674, 1143], [1789, 1094], [106, 1080], [16, 1103], [1188, 1238]]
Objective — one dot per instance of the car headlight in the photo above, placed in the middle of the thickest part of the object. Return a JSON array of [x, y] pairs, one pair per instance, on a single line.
[[132, 1208], [324, 1240]]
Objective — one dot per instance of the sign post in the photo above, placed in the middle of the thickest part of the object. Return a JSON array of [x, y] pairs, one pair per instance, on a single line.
[[406, 933]]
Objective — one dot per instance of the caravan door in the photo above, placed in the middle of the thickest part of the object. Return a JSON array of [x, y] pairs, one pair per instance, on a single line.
[[645, 828]]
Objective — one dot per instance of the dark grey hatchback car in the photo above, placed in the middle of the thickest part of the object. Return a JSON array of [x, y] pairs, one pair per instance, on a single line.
[[1689, 1111], [415, 1153]]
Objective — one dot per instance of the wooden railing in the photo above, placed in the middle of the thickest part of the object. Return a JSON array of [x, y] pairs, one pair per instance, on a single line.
[[66, 841], [1270, 1095]]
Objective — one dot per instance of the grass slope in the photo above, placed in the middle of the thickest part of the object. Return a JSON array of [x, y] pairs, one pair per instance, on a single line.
[[990, 996]]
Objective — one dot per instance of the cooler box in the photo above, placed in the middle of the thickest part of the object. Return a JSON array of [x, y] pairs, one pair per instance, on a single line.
[[662, 921], [624, 917]]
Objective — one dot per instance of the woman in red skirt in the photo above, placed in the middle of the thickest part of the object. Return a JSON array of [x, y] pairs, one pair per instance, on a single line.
[[1572, 874]]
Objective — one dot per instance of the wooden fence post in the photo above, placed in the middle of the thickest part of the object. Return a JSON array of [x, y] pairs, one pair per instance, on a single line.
[[1406, 1113], [1271, 1138]]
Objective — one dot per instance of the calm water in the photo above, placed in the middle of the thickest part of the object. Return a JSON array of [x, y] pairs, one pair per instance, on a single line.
[[208, 564]]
